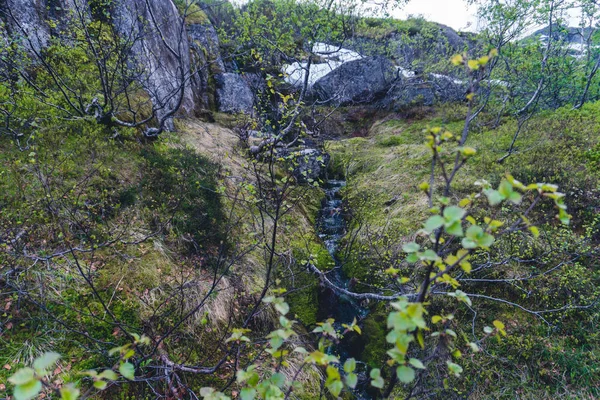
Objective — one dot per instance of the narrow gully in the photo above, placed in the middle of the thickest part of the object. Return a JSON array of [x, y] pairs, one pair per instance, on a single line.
[[331, 228]]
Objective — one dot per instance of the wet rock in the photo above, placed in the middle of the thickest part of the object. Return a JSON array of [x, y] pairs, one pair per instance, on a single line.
[[358, 81], [204, 45]]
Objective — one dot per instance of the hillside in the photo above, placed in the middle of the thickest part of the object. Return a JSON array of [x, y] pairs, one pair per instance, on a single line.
[[290, 200]]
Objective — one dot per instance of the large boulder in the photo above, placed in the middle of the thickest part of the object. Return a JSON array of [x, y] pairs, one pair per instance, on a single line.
[[233, 94], [424, 90], [422, 46], [160, 50], [358, 81]]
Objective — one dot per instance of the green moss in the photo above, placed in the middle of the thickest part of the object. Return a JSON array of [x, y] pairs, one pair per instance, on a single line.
[[374, 333], [303, 300]]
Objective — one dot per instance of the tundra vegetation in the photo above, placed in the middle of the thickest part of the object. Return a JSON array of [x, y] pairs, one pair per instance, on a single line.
[[155, 247]]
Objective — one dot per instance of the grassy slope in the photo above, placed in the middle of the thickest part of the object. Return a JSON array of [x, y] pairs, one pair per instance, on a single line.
[[139, 183], [560, 147]]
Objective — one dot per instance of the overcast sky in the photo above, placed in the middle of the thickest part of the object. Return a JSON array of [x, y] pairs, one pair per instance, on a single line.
[[454, 13]]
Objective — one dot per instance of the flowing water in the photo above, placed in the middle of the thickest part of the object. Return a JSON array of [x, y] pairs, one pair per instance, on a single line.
[[332, 227]]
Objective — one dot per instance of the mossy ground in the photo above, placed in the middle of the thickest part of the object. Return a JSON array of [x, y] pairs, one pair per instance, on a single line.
[[126, 182], [161, 199], [383, 171]]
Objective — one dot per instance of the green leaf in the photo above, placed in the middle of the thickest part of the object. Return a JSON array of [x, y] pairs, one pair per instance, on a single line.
[[494, 197], [247, 394], [108, 374], [283, 308], [433, 223], [486, 240], [411, 247], [474, 231], [473, 347], [454, 229], [412, 258], [27, 390], [535, 231], [22, 376], [405, 374], [335, 387], [453, 213], [100, 385], [349, 365], [69, 392], [416, 363], [505, 189], [473, 64], [515, 198], [454, 368], [278, 379], [351, 380], [45, 361], [377, 380], [428, 255], [206, 391], [468, 243], [127, 370]]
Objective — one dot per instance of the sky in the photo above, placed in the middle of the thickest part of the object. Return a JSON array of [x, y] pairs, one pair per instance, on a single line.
[[454, 13]]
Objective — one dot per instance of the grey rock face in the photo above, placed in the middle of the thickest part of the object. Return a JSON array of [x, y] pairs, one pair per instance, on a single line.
[[26, 19], [358, 81], [160, 54], [162, 51], [204, 38], [233, 94], [408, 92], [435, 88], [207, 61]]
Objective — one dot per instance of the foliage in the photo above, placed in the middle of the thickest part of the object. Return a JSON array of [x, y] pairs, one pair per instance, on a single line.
[[472, 253]]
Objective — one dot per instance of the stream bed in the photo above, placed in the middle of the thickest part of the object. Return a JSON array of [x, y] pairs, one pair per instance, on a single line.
[[331, 228]]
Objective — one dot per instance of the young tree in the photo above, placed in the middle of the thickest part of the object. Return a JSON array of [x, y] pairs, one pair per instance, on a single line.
[[126, 64]]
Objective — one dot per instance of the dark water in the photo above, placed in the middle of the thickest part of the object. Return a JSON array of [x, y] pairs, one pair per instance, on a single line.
[[332, 227]]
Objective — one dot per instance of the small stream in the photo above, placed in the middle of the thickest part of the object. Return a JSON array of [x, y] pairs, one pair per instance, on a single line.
[[331, 228]]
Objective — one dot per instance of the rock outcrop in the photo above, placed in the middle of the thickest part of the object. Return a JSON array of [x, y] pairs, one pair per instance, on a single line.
[[207, 59], [161, 50], [233, 94], [358, 81], [310, 164], [421, 46], [424, 90], [28, 20]]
